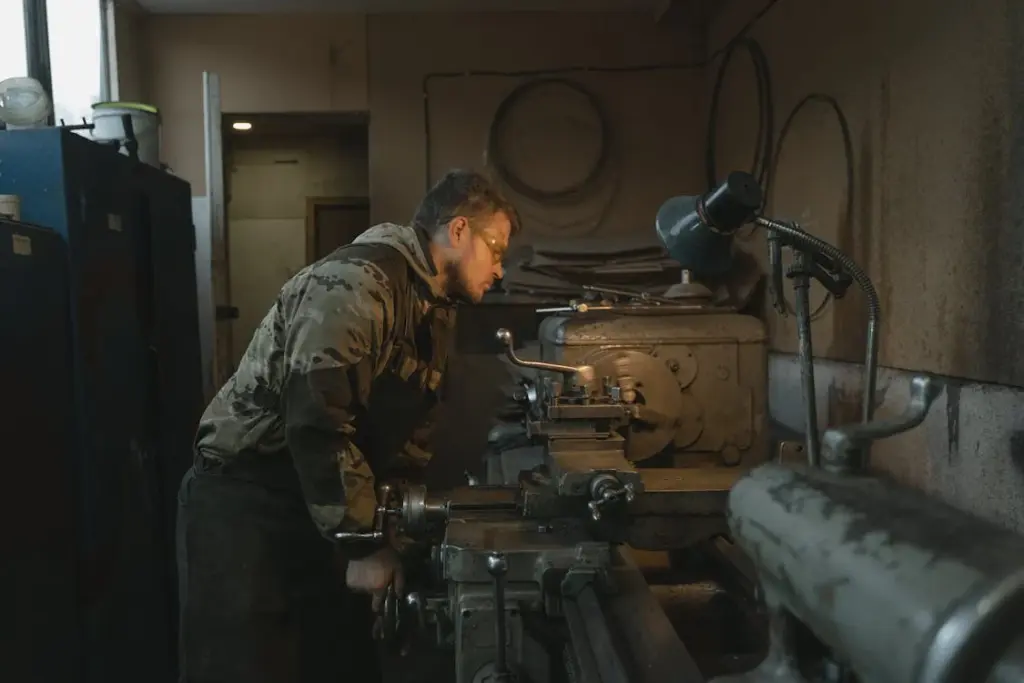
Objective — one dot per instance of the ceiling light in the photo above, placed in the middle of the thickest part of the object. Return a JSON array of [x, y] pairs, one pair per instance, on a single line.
[[241, 125]]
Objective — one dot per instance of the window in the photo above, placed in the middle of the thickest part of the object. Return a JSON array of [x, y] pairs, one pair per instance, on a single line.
[[13, 58], [76, 49]]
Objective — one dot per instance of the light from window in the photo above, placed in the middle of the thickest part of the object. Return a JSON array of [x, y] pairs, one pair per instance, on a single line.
[[75, 57], [13, 58]]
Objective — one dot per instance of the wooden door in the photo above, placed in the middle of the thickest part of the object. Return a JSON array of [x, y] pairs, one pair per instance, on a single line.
[[332, 224]]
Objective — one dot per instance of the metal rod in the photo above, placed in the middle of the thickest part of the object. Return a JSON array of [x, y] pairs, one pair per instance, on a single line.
[[504, 337], [37, 47], [802, 304], [870, 368], [801, 238], [643, 296], [499, 620], [497, 565]]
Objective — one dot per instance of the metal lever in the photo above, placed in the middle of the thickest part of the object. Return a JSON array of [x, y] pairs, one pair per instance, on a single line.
[[379, 530], [497, 566], [504, 336], [845, 447]]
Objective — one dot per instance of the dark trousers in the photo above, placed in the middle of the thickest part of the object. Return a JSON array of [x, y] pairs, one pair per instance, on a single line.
[[262, 599]]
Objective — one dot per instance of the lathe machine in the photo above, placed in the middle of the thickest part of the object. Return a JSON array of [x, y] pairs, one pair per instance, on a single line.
[[850, 577]]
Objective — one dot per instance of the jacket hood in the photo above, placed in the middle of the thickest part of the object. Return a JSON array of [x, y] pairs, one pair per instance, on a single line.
[[412, 244]]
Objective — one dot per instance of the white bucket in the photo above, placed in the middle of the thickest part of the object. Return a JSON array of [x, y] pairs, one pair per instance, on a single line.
[[108, 126], [10, 207]]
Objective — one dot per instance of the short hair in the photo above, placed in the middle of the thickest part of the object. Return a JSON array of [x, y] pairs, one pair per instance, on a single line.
[[463, 193]]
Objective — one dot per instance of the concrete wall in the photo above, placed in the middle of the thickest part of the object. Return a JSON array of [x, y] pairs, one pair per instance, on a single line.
[[931, 92], [969, 451], [655, 116]]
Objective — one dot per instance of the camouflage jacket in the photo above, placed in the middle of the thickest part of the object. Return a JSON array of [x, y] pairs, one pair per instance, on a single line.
[[343, 377]]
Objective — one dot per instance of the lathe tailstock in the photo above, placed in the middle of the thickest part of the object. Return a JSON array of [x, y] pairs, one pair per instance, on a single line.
[[861, 574]]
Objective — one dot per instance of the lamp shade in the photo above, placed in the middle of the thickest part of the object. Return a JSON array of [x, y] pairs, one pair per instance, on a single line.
[[697, 230]]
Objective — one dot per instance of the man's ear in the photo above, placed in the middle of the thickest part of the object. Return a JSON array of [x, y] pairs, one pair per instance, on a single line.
[[458, 229]]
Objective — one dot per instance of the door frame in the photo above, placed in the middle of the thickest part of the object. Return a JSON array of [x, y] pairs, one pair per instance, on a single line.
[[312, 203]]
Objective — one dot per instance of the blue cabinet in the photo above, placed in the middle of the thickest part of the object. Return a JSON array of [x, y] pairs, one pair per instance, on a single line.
[[137, 382], [39, 638]]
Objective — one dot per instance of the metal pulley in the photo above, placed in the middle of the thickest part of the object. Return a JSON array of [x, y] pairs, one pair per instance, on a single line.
[[647, 382]]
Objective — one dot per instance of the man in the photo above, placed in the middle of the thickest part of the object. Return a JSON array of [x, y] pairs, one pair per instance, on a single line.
[[337, 386]]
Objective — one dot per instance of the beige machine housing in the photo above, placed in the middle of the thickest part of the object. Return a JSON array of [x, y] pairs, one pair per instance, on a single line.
[[710, 369]]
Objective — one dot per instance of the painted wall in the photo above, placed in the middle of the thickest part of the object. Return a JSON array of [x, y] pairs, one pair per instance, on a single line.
[[129, 37], [929, 91], [932, 93], [655, 115], [267, 64], [348, 63], [377, 65], [268, 182]]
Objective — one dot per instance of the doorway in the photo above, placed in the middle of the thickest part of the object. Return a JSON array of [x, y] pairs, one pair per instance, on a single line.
[[333, 222], [295, 184]]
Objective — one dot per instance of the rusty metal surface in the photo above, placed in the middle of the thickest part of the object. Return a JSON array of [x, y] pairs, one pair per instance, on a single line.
[[866, 564]]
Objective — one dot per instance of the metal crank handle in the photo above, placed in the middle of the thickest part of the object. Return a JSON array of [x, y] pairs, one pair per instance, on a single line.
[[504, 336], [379, 529], [843, 445], [596, 507], [359, 536]]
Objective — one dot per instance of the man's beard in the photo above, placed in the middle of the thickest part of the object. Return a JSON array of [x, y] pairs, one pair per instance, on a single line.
[[455, 286]]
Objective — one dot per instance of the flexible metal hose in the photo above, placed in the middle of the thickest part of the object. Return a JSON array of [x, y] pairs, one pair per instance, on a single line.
[[799, 237]]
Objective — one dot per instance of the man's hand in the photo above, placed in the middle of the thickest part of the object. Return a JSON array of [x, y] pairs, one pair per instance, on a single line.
[[373, 574]]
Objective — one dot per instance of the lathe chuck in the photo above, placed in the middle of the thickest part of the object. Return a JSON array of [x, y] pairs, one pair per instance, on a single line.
[[656, 388]]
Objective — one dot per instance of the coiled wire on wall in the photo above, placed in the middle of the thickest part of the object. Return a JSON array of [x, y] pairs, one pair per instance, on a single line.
[[844, 128], [551, 72], [764, 149], [588, 185]]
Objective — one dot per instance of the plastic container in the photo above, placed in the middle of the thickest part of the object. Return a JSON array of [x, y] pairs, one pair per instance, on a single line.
[[23, 103], [108, 126]]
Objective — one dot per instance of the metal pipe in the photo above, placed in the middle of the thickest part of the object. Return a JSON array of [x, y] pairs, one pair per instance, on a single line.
[[801, 238], [802, 304], [37, 47], [642, 296]]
